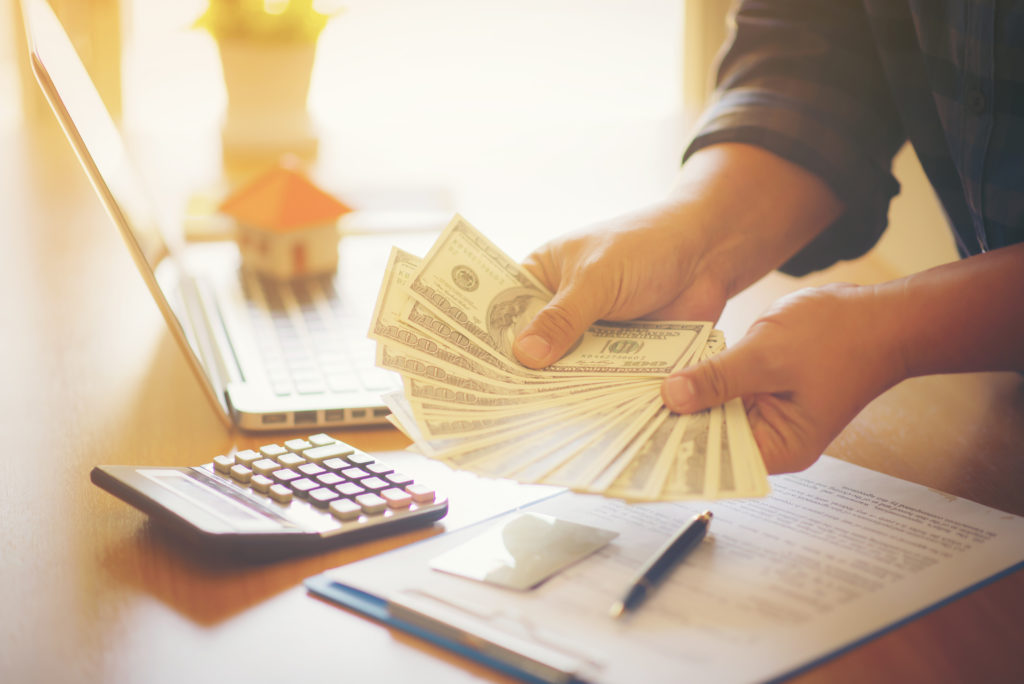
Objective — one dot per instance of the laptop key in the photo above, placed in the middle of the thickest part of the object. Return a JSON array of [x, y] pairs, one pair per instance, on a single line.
[[375, 379], [339, 382], [310, 387]]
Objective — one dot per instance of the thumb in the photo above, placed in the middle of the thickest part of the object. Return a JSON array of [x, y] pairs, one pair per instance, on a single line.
[[556, 327], [730, 373]]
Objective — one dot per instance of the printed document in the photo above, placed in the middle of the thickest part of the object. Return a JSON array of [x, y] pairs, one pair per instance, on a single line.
[[834, 555]]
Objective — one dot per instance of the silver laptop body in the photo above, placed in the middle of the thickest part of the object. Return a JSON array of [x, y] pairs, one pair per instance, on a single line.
[[270, 356]]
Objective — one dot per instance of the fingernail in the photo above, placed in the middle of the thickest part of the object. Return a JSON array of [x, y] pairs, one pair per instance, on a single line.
[[533, 348], [679, 392]]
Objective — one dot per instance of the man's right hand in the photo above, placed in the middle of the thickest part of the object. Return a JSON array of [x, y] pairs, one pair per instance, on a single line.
[[737, 213], [646, 264]]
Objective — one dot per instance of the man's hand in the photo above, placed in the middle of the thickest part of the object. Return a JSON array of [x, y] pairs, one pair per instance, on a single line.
[[805, 369], [643, 265], [736, 213]]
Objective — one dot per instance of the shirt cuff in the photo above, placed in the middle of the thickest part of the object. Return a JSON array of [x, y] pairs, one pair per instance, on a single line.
[[864, 185]]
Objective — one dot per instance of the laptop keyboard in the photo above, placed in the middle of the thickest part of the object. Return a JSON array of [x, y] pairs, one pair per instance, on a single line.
[[306, 339]]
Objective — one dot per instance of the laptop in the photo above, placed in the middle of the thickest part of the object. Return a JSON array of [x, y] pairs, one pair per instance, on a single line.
[[270, 356]]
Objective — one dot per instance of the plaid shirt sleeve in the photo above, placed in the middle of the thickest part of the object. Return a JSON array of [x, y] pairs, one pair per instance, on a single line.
[[802, 79]]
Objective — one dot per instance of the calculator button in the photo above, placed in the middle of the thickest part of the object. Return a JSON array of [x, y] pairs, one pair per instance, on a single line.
[[247, 457], [333, 450], [297, 445], [222, 464], [354, 473], [265, 466], [240, 473], [303, 486], [273, 451], [290, 460], [420, 493], [398, 479], [371, 503], [344, 509], [285, 475], [320, 439], [261, 483], [359, 459], [329, 479], [335, 464], [311, 469], [374, 484], [350, 489], [379, 468], [279, 492], [322, 496], [396, 498]]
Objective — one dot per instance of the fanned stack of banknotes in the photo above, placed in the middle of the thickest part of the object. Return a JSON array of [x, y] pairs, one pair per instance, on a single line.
[[593, 421]]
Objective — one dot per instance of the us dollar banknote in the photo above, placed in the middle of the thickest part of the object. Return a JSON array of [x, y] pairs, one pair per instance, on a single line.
[[593, 421]]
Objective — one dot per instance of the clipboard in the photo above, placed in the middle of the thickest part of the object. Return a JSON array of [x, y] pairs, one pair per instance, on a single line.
[[733, 611], [436, 632]]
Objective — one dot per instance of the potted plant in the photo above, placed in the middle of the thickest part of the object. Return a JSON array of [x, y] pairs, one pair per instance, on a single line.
[[267, 49]]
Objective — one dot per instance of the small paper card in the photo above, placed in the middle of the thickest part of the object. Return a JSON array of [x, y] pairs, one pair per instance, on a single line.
[[523, 551]]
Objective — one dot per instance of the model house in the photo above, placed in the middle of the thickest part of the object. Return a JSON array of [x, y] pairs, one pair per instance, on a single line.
[[287, 226]]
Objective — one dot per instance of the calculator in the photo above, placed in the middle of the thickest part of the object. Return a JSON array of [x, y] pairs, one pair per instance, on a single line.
[[304, 495]]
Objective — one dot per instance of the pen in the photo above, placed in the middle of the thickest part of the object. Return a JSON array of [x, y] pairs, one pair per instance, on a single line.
[[674, 550]]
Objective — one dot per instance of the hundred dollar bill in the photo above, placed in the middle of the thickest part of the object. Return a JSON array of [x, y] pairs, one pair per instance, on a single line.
[[387, 324], [688, 475], [541, 453], [418, 390], [594, 422], [609, 434], [436, 447], [480, 291], [638, 472], [741, 472], [436, 424]]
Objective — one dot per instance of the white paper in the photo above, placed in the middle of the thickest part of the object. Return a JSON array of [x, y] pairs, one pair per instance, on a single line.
[[833, 555]]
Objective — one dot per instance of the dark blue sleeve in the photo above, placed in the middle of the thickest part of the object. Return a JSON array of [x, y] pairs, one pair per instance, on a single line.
[[803, 80]]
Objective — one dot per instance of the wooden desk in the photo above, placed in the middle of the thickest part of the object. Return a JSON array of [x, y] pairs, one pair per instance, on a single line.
[[91, 592]]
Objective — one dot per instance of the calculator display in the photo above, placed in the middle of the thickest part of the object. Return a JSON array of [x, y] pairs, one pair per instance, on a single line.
[[232, 512]]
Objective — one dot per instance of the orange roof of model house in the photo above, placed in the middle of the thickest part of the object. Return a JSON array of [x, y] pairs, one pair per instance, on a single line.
[[283, 200]]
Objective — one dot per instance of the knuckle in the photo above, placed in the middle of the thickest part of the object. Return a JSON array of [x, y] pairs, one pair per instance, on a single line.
[[715, 380], [558, 321], [767, 360]]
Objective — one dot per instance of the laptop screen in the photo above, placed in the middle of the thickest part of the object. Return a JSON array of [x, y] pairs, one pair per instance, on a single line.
[[100, 145], [100, 148]]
